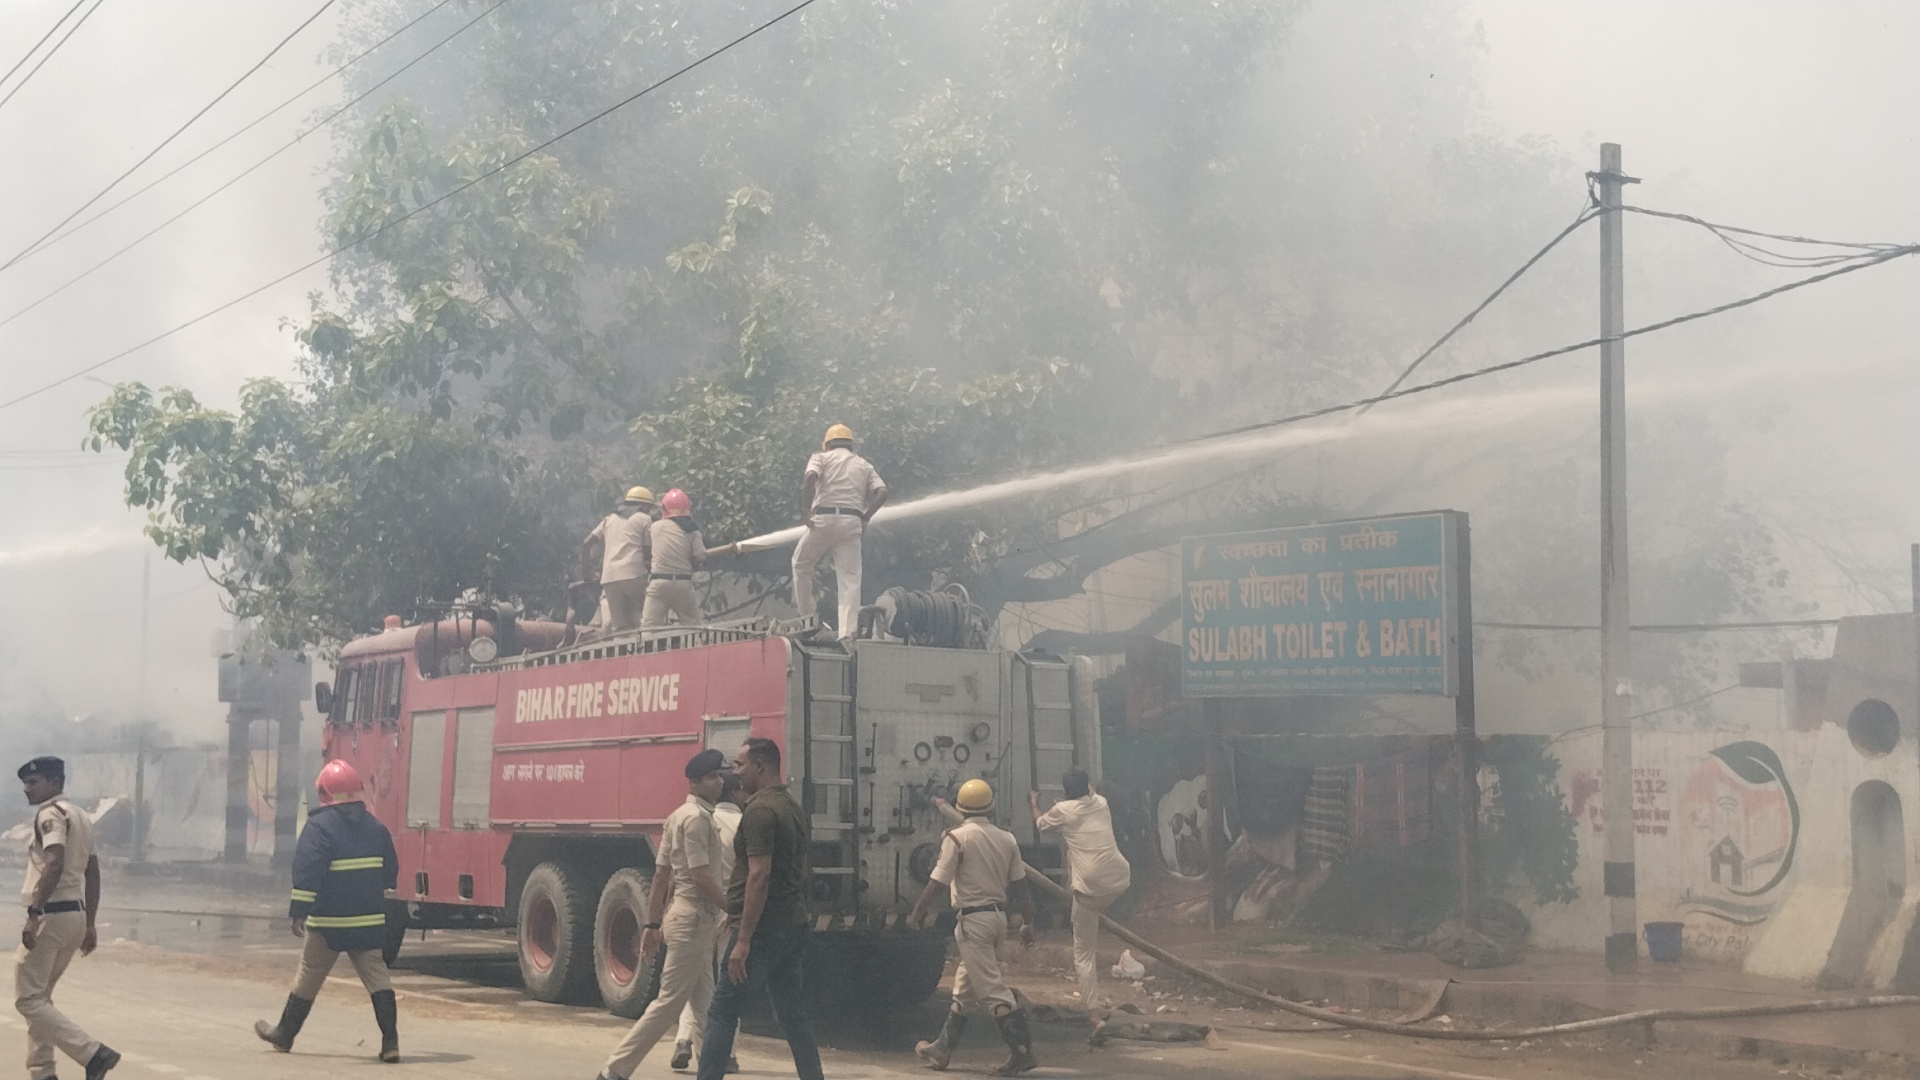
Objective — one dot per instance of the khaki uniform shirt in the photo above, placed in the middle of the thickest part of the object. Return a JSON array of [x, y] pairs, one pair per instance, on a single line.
[[843, 479], [674, 549], [1093, 858], [622, 540], [687, 843], [978, 860], [59, 823], [726, 824]]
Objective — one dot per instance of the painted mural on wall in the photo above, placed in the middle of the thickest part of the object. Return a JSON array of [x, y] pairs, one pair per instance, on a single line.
[[1741, 823]]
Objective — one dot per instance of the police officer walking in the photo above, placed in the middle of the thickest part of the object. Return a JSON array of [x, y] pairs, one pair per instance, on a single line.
[[684, 870], [839, 493], [621, 536], [726, 822], [980, 866], [62, 896], [674, 551], [342, 869]]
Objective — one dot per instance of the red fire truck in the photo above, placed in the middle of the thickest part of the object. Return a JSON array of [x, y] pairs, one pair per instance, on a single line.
[[525, 782]]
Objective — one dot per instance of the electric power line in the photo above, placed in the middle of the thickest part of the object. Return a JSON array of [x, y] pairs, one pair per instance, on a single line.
[[1684, 704], [255, 122], [325, 4], [1586, 214], [1669, 628], [28, 55], [422, 208], [48, 55], [248, 171], [1877, 259]]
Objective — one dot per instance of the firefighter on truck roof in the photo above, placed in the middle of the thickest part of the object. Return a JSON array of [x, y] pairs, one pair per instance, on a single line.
[[342, 869], [622, 536], [674, 550], [980, 866], [839, 493]]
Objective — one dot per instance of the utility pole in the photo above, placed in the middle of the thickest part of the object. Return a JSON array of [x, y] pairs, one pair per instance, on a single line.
[[1219, 903], [1616, 648]]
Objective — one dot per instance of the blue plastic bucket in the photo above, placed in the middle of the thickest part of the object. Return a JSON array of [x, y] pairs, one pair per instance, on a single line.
[[1663, 941]]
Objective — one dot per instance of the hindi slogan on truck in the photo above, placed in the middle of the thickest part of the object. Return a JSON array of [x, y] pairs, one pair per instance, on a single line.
[[1356, 607]]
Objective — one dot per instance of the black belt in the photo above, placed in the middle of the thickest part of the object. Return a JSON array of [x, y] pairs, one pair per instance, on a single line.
[[838, 510], [670, 577], [978, 908], [58, 907]]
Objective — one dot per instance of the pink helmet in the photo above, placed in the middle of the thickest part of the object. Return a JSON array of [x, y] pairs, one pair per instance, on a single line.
[[339, 782], [675, 503]]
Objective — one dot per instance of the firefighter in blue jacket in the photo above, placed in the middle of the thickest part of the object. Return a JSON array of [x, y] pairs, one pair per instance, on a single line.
[[342, 869]]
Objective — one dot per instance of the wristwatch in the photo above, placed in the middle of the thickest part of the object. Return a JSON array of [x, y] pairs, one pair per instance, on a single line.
[[37, 912], [651, 926]]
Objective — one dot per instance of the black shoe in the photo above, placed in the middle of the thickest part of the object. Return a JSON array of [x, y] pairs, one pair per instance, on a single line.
[[387, 1014], [293, 1016], [940, 1051], [682, 1056], [103, 1059], [1013, 1028]]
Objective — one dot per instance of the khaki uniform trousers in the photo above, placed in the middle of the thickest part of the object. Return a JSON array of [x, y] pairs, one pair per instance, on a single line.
[[690, 931], [693, 1021], [625, 603], [671, 597], [1086, 942], [837, 535], [35, 971], [317, 960], [978, 979]]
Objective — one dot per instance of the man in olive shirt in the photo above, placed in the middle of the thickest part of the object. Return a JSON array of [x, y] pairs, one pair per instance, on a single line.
[[766, 903]]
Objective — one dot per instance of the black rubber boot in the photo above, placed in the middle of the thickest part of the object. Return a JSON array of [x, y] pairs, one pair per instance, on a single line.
[[682, 1056], [292, 1018], [940, 1051], [1013, 1028], [387, 1014], [103, 1059]]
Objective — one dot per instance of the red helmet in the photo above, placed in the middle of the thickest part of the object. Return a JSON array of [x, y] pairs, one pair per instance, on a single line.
[[339, 782], [675, 503]]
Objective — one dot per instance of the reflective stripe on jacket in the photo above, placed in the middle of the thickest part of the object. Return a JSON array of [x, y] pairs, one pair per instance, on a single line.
[[342, 869]]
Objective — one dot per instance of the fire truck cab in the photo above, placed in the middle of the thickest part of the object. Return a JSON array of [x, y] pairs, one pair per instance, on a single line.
[[526, 782]]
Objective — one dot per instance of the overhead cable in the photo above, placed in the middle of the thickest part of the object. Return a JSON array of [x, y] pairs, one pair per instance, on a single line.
[[202, 200], [249, 126], [1585, 215], [1669, 628], [163, 142], [48, 55], [1493, 369], [422, 208], [28, 55]]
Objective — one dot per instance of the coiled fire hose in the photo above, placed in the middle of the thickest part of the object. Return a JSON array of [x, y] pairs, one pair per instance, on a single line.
[[1388, 1027]]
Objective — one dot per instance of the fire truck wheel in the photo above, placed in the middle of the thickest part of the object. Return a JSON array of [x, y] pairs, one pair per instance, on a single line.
[[556, 934], [627, 983]]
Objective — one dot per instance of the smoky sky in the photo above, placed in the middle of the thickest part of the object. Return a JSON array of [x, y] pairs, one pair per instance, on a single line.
[[1793, 117]]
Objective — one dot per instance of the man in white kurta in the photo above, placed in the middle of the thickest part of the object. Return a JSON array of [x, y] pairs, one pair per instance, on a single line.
[[1098, 872]]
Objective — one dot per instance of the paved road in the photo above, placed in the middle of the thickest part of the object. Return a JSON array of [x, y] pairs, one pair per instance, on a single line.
[[189, 1016]]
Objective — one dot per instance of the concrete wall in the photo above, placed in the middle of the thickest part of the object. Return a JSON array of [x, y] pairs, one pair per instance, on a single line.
[[1749, 840]]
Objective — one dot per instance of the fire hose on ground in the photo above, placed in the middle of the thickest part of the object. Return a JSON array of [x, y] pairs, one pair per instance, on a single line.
[[1388, 1027]]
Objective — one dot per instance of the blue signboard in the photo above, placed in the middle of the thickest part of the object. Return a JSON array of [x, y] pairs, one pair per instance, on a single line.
[[1353, 607]]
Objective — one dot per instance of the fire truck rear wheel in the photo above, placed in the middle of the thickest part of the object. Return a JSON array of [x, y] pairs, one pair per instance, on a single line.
[[628, 984], [556, 933]]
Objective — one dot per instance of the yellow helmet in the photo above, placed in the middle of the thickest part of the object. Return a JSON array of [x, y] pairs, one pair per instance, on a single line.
[[975, 797], [836, 432], [638, 494]]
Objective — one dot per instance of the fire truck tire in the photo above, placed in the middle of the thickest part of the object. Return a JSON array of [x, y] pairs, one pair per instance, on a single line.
[[556, 934], [628, 984]]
